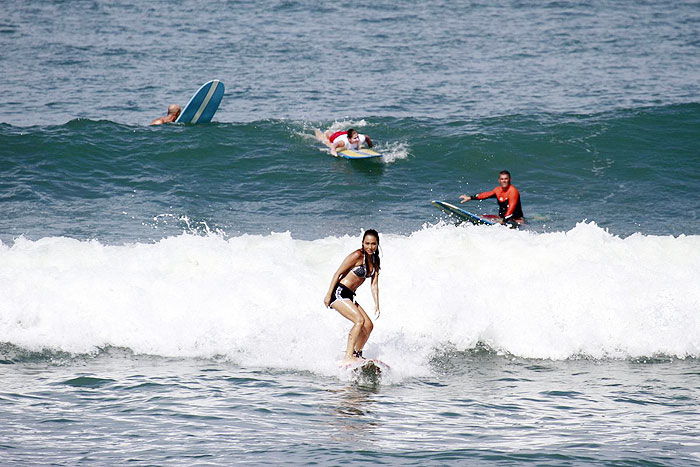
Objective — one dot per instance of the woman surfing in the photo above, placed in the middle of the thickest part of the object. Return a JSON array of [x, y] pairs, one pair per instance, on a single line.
[[359, 265]]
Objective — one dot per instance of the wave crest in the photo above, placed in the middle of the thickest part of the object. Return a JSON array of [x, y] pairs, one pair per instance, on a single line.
[[258, 299]]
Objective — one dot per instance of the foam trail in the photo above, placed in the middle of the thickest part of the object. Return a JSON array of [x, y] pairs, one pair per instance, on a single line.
[[393, 151], [258, 299]]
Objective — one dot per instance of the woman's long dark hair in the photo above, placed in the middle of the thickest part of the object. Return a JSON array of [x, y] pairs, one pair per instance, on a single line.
[[375, 257]]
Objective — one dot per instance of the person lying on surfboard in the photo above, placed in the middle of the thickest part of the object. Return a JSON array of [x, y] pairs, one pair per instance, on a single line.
[[359, 265], [173, 112], [509, 209], [339, 140]]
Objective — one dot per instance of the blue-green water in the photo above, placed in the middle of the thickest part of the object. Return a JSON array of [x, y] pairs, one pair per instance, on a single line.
[[629, 171], [161, 287]]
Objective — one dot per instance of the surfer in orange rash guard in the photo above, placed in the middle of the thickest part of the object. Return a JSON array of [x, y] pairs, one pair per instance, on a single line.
[[173, 112], [509, 209], [359, 265]]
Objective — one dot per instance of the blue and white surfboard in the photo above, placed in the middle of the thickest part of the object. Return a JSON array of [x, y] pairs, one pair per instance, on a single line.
[[460, 213], [203, 104]]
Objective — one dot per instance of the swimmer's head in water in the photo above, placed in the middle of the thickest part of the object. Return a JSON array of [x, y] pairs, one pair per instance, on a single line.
[[174, 109]]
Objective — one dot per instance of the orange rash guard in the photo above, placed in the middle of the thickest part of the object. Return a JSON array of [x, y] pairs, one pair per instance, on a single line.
[[508, 201]]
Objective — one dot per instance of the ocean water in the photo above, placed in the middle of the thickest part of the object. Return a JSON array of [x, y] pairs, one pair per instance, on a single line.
[[161, 287]]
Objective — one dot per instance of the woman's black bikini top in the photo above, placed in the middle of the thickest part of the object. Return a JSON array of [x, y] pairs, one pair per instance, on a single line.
[[361, 270]]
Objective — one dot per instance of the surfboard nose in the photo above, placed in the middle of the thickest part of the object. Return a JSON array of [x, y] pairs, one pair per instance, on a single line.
[[203, 104]]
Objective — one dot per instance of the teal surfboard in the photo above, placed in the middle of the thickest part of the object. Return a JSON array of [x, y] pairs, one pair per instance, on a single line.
[[460, 213], [203, 104]]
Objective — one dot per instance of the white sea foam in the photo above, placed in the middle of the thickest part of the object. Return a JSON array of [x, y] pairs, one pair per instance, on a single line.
[[393, 151], [348, 123], [258, 299]]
